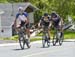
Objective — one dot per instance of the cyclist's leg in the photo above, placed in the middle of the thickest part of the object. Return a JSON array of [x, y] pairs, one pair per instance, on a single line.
[[43, 33], [18, 28], [28, 32], [61, 31], [56, 29], [48, 30], [49, 35]]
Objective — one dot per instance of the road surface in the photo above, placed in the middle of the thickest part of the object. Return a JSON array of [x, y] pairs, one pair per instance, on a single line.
[[36, 50]]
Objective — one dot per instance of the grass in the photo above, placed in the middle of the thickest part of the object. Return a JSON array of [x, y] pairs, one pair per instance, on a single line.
[[67, 35], [35, 39], [15, 38]]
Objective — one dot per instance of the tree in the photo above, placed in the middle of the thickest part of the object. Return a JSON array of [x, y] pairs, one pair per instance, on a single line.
[[62, 7]]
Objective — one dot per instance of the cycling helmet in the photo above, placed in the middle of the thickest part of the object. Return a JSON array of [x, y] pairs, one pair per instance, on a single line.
[[53, 14], [45, 14], [20, 8]]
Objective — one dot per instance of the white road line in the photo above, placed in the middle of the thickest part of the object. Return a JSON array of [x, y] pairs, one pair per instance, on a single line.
[[8, 44], [48, 51], [35, 54], [13, 44]]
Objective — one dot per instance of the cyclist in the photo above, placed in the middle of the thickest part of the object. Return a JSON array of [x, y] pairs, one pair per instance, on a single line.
[[57, 22], [45, 23], [21, 20]]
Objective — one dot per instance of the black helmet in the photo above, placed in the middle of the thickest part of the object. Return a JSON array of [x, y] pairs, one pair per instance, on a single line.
[[45, 14], [53, 14]]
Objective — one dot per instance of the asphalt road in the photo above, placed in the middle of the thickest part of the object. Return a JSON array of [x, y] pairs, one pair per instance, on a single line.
[[36, 50]]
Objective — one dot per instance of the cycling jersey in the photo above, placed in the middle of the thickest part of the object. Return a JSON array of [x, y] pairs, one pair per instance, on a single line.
[[45, 22], [22, 18], [56, 21]]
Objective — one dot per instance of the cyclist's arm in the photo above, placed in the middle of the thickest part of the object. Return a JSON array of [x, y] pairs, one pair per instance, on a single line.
[[15, 22], [50, 24], [61, 21], [27, 20], [39, 24], [16, 19]]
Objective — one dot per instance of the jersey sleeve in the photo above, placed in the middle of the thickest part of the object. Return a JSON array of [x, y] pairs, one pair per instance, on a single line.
[[49, 17], [17, 15], [42, 18], [25, 14]]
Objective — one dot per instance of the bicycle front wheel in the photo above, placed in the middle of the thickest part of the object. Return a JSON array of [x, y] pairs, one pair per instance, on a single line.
[[61, 39], [43, 41], [22, 42], [54, 39]]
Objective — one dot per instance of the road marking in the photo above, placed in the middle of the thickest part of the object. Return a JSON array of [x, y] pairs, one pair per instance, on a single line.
[[13, 44], [39, 53], [8, 44], [51, 51]]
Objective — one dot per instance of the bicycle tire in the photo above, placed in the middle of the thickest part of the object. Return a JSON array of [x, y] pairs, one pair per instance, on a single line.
[[61, 39], [27, 43], [22, 42], [47, 39], [54, 39], [43, 42]]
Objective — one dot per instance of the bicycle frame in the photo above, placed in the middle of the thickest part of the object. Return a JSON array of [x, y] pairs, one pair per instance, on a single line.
[[58, 38], [45, 36], [23, 36]]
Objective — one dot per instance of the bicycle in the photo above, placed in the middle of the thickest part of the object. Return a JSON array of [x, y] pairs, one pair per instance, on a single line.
[[23, 38], [45, 37], [58, 37]]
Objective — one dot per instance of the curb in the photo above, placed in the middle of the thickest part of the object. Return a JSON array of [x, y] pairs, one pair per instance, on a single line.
[[10, 44]]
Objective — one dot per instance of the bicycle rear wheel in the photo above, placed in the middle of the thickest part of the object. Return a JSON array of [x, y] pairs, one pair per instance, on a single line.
[[22, 42], [47, 39], [61, 39], [55, 39], [27, 43], [48, 44], [43, 41]]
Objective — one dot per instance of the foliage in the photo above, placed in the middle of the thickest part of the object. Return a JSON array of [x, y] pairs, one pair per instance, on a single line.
[[67, 34], [62, 7]]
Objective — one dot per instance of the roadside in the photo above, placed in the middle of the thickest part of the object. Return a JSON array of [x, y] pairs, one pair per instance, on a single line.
[[36, 36], [32, 40], [7, 41]]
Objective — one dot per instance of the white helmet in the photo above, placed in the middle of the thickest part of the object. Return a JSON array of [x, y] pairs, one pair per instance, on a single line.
[[20, 8]]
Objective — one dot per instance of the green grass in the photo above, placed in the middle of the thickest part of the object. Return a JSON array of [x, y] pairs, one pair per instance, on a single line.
[[35, 39], [15, 38], [11, 38], [67, 34]]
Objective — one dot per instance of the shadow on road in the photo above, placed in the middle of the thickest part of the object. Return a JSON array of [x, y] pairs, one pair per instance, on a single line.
[[50, 46], [20, 49], [69, 41]]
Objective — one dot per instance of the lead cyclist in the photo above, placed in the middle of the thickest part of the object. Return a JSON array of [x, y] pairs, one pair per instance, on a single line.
[[21, 20]]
